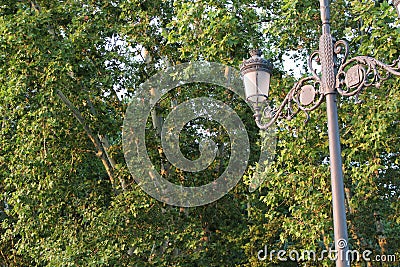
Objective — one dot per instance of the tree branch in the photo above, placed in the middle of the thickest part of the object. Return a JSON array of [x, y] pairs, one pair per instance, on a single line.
[[101, 153], [35, 6], [106, 146]]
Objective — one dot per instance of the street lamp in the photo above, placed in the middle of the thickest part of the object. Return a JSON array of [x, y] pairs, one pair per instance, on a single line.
[[256, 73], [348, 77]]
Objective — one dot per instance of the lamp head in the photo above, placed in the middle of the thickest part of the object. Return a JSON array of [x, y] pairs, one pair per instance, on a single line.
[[256, 72]]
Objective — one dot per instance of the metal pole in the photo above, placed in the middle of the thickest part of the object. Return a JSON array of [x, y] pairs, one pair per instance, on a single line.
[[339, 211], [328, 85]]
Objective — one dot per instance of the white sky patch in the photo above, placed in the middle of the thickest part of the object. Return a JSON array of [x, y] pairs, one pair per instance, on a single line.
[[295, 66]]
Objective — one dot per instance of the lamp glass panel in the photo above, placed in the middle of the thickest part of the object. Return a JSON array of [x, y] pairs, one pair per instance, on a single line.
[[256, 84], [263, 80], [250, 84]]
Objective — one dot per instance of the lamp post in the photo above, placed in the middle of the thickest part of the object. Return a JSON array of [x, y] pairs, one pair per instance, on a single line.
[[347, 77]]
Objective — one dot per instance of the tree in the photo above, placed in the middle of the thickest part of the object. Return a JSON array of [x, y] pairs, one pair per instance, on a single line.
[[67, 197]]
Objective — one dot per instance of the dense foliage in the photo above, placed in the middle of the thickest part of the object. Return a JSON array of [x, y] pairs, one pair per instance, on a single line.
[[67, 70]]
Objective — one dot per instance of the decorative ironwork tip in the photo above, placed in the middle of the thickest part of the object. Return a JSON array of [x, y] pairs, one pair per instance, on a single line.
[[256, 63], [257, 52]]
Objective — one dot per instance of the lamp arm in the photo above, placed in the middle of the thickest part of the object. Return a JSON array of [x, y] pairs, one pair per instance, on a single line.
[[363, 71], [305, 96], [267, 113]]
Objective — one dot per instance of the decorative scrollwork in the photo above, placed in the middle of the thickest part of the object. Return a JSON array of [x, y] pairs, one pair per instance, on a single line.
[[362, 71], [314, 57], [341, 50], [306, 95]]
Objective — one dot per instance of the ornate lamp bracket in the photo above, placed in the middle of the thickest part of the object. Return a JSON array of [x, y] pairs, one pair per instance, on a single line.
[[306, 95], [351, 77], [355, 74]]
